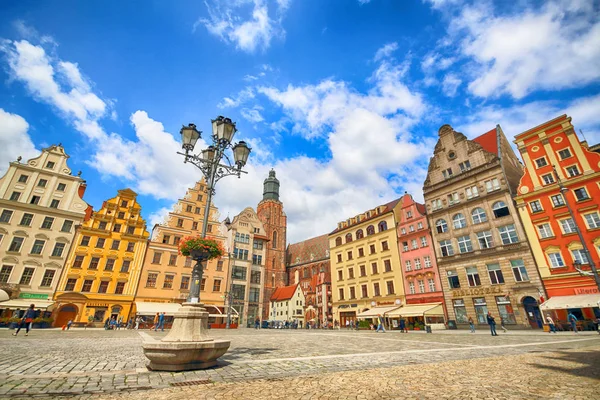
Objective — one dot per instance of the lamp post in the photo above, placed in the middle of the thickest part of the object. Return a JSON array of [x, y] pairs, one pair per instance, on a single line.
[[214, 163], [577, 263]]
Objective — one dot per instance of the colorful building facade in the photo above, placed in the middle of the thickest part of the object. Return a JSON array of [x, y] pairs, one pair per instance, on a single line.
[[104, 265], [287, 304], [554, 157]]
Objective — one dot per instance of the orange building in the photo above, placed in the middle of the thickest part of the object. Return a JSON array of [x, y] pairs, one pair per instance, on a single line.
[[554, 157]]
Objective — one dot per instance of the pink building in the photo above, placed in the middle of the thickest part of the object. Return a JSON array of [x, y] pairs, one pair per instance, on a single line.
[[421, 275]]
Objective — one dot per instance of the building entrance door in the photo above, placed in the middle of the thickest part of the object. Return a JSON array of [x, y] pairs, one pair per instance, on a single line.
[[533, 312], [67, 313]]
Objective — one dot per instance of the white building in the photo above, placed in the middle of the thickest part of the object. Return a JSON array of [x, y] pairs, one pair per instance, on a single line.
[[287, 304]]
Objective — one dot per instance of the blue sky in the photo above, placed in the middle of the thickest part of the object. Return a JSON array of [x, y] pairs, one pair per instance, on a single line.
[[343, 98]]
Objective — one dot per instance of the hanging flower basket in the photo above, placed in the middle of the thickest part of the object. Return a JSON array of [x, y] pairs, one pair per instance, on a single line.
[[198, 248]]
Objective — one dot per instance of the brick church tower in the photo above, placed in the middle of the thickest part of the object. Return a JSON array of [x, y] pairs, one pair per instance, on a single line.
[[270, 212]]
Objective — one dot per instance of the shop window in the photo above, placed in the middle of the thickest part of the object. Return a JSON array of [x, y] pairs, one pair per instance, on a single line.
[[460, 311], [481, 309], [505, 310]]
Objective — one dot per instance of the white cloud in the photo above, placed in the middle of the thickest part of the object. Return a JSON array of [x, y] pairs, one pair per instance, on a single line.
[[14, 140], [250, 32], [385, 51], [450, 85], [252, 114], [234, 101]]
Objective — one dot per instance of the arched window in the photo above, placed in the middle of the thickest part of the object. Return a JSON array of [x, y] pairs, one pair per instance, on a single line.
[[348, 237], [478, 215], [459, 221], [370, 230], [359, 234], [305, 273], [500, 209], [314, 270], [275, 239], [382, 226], [338, 241], [441, 226]]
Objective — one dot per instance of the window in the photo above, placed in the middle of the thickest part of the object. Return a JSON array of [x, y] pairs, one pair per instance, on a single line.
[[417, 263], [453, 198], [441, 226], [238, 291], [23, 178], [431, 284], [255, 277], [535, 206], [131, 230], [350, 255], [370, 230], [78, 262], [15, 245], [120, 287], [274, 240], [447, 173], [151, 280], [48, 278], [459, 221], [592, 220], [464, 166], [130, 246], [460, 311], [87, 285], [364, 292], [572, 171], [117, 228], [26, 219], [352, 292], [420, 225], [390, 287], [408, 265], [557, 200], [361, 252], [492, 185], [568, 225], [473, 276], [239, 272], [564, 153], [421, 286], [123, 203], [376, 290], [453, 280], [67, 225], [94, 263], [556, 260], [411, 287], [581, 194], [100, 243], [58, 249], [580, 256], [341, 293], [61, 187], [47, 224], [54, 203], [50, 164], [423, 241], [85, 241], [156, 257], [519, 270], [382, 226], [374, 268], [409, 214], [541, 162], [42, 183], [363, 270], [481, 309], [179, 222], [464, 244], [485, 240], [427, 261], [340, 275], [472, 192], [15, 196], [110, 264], [436, 204], [166, 239], [545, 231], [338, 241], [34, 200], [339, 258], [173, 259], [350, 273], [414, 244], [194, 226], [115, 245], [254, 295], [185, 283], [508, 234], [446, 248], [125, 266], [70, 286], [257, 244], [168, 282], [404, 246], [26, 277], [548, 179], [500, 209], [495, 273], [387, 266], [103, 287], [5, 216], [5, 273]]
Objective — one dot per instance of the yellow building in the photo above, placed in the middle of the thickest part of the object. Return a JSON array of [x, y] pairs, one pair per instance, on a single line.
[[104, 264], [365, 263]]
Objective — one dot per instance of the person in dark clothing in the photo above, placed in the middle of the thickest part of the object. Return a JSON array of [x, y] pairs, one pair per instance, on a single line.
[[492, 323], [27, 320]]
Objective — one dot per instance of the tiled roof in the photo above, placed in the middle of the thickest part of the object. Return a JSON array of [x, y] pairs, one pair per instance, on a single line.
[[388, 207], [300, 253], [284, 293], [489, 141]]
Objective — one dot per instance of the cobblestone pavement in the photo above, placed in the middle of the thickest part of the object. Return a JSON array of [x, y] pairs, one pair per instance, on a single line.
[[54, 363]]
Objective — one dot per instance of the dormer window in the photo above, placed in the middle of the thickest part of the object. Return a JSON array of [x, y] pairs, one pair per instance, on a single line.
[[465, 166], [50, 165], [447, 173]]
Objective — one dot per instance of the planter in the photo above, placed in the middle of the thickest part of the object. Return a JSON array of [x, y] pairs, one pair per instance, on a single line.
[[199, 255]]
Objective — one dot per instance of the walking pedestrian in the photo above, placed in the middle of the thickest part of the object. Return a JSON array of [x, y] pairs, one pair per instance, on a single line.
[[550, 324], [492, 323], [137, 323], [257, 323], [380, 326], [107, 324], [471, 325], [502, 324], [161, 321], [356, 324], [155, 326], [69, 324], [573, 320], [336, 325], [27, 320], [403, 325], [598, 325], [113, 323]]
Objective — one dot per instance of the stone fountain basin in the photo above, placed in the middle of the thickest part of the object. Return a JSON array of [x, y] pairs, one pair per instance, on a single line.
[[184, 356]]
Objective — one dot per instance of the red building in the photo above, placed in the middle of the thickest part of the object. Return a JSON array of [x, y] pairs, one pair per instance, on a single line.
[[561, 173]]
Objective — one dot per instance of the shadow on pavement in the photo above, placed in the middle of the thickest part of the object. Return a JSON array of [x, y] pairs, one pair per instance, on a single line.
[[241, 352], [589, 360]]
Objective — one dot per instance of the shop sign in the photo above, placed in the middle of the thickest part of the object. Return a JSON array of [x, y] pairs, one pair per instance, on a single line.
[[476, 291], [39, 296], [96, 305], [586, 290]]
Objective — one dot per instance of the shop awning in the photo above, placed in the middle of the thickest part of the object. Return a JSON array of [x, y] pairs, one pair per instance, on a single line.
[[575, 301], [375, 311], [208, 307], [25, 303], [418, 310], [149, 308]]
